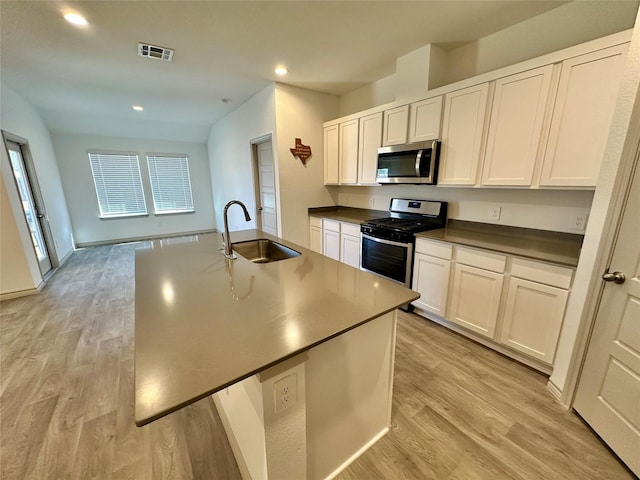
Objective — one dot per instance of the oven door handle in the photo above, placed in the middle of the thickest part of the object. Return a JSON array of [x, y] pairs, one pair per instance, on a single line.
[[387, 242]]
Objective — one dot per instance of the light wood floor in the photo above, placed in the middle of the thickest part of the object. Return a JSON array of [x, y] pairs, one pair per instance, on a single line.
[[460, 411]]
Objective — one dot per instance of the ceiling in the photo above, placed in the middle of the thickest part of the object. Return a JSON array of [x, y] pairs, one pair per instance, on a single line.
[[85, 80]]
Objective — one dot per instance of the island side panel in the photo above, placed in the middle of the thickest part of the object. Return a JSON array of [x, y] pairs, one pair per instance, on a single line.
[[349, 386]]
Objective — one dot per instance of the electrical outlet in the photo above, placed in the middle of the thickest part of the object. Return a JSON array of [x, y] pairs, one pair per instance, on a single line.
[[494, 213], [578, 222], [285, 393], [372, 202]]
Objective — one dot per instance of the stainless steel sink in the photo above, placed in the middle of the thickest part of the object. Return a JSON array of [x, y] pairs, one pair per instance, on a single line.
[[262, 250]]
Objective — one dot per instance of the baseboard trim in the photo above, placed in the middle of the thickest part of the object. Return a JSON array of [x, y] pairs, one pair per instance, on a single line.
[[556, 393], [66, 257], [356, 455], [507, 352], [142, 238], [21, 293]]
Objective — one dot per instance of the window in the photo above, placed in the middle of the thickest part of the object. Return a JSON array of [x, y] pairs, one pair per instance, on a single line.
[[170, 183], [118, 184]]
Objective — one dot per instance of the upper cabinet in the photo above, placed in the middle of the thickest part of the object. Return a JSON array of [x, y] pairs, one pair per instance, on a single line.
[[425, 119], [462, 130], [515, 127], [395, 126], [540, 124], [368, 143], [348, 157], [331, 154], [582, 116]]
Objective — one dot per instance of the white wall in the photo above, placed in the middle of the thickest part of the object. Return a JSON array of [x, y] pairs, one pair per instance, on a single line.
[[230, 156], [541, 209], [571, 24], [88, 228], [18, 273], [19, 117], [300, 114]]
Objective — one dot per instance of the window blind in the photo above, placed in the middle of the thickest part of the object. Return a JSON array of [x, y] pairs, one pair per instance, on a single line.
[[170, 183], [116, 177]]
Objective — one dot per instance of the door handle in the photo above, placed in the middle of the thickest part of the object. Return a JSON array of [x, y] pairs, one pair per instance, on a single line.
[[615, 277], [259, 209], [39, 215]]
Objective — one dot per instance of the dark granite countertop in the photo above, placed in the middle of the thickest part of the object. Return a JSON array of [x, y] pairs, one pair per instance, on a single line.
[[347, 214], [555, 247]]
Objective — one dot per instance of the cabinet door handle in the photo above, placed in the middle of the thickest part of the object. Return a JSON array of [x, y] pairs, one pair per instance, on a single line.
[[615, 277]]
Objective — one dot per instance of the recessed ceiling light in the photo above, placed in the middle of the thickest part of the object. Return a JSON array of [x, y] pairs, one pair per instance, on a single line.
[[137, 108], [281, 70], [76, 19]]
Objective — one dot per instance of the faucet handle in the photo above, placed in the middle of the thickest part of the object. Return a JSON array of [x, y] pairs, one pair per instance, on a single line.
[[224, 244]]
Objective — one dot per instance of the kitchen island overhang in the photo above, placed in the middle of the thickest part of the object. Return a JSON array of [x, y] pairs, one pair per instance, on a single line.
[[205, 323]]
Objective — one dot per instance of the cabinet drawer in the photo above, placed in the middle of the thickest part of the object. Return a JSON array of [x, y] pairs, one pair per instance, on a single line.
[[315, 222], [331, 225], [435, 249], [481, 259], [350, 229], [542, 273]]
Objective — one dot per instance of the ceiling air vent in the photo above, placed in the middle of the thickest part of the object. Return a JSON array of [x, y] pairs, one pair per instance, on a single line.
[[154, 51]]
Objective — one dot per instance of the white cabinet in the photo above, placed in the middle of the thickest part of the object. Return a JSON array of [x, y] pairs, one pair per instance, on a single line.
[[515, 127], [395, 126], [348, 158], [582, 116], [462, 131], [476, 299], [331, 239], [350, 244], [315, 234], [424, 119], [509, 303], [369, 140], [534, 308], [331, 154], [431, 270], [337, 240]]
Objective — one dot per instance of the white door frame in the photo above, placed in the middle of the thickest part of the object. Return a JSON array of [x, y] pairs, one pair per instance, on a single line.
[[38, 199], [267, 137], [623, 145]]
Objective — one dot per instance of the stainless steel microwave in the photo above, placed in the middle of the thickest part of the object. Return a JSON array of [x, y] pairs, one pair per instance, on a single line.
[[410, 163]]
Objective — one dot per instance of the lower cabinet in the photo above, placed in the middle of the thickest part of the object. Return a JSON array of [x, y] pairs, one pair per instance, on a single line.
[[350, 244], [315, 234], [534, 311], [476, 299], [334, 239], [431, 272], [331, 239], [505, 300]]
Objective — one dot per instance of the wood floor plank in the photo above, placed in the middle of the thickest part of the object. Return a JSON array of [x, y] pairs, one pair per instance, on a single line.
[[460, 411], [94, 456], [22, 444]]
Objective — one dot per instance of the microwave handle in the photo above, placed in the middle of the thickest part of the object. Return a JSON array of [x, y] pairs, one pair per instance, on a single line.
[[417, 166]]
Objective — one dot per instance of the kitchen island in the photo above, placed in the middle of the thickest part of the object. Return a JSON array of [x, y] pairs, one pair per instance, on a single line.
[[298, 353]]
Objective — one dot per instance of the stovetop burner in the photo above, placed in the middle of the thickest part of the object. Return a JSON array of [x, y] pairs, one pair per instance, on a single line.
[[407, 218]]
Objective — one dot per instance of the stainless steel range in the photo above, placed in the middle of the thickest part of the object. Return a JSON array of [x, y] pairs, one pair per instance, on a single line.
[[388, 243]]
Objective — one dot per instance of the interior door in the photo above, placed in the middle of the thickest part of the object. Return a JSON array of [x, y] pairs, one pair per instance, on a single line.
[[267, 189], [33, 209], [608, 395]]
